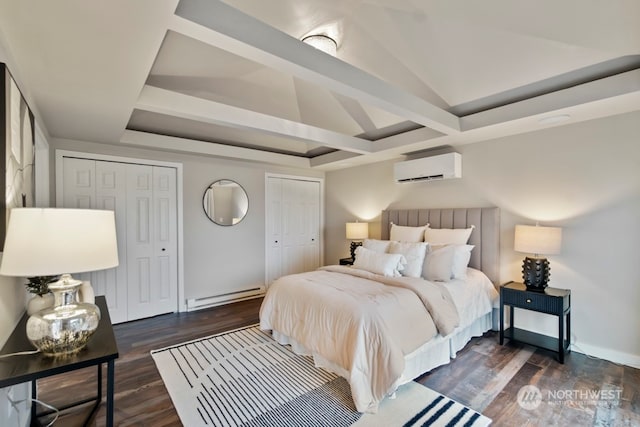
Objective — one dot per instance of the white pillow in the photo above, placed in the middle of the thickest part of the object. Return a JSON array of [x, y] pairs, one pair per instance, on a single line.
[[447, 236], [385, 264], [414, 253], [379, 246], [438, 264], [461, 257], [401, 233]]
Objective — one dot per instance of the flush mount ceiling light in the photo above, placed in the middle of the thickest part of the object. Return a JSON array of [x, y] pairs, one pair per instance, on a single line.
[[322, 42], [554, 119]]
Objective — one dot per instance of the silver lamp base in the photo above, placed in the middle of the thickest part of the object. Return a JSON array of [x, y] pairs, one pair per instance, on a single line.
[[65, 328]]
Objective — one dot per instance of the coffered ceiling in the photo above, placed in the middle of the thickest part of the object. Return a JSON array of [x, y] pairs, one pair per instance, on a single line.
[[232, 78]]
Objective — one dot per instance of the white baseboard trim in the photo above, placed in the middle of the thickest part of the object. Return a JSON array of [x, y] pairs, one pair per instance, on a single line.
[[607, 354], [216, 300]]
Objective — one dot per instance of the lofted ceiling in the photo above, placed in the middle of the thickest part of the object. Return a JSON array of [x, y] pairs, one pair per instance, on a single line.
[[232, 78]]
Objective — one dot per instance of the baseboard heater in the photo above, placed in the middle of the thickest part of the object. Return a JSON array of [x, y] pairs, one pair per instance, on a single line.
[[215, 300]]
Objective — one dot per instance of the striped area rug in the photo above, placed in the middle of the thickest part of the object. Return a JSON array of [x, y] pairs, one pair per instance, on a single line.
[[246, 378]]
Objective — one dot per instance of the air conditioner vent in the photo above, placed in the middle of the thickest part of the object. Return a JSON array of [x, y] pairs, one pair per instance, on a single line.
[[444, 166]]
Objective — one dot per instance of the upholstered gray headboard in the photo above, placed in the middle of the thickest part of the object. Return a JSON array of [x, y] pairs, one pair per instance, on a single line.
[[485, 236]]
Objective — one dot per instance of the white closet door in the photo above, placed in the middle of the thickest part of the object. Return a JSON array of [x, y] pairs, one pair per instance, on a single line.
[[148, 265], [111, 195], [144, 199], [293, 224], [310, 201], [274, 228], [79, 183], [165, 238], [100, 185]]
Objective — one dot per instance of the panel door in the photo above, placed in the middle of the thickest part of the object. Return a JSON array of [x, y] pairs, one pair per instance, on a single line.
[[79, 183], [111, 195], [88, 184], [149, 231], [274, 228], [310, 205], [294, 226], [165, 237]]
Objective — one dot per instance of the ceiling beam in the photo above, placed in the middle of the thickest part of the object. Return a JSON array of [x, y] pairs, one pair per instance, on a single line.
[[176, 104], [597, 90], [218, 24], [190, 146], [336, 157], [405, 139]]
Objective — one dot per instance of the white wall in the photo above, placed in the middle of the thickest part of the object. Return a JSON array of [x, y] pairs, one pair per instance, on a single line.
[[583, 177], [216, 258], [14, 400], [12, 295]]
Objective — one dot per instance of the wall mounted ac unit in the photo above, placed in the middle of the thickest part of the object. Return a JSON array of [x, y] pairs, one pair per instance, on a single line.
[[443, 166]]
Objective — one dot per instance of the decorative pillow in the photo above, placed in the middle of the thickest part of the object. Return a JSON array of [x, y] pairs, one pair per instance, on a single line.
[[385, 264], [438, 264], [401, 233], [461, 257], [447, 236], [414, 253], [379, 246]]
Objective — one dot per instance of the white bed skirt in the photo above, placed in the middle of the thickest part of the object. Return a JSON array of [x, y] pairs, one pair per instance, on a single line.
[[437, 352]]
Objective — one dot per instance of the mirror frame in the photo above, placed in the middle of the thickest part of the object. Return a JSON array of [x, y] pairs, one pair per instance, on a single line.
[[210, 187]]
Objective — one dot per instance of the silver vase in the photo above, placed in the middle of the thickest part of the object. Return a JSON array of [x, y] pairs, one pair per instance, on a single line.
[[67, 326]]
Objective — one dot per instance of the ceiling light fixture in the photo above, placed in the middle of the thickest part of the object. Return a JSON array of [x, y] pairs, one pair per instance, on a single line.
[[554, 119], [322, 42]]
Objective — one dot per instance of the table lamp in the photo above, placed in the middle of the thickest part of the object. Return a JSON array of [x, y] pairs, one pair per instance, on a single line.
[[357, 232], [537, 240], [52, 242]]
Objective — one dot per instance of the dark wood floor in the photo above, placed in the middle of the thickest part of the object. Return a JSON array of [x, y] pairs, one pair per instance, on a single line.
[[484, 376]]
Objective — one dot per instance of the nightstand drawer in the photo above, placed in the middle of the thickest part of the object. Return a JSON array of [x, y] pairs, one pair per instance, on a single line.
[[533, 301]]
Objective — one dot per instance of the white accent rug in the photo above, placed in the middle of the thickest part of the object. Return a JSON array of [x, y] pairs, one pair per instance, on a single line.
[[244, 377]]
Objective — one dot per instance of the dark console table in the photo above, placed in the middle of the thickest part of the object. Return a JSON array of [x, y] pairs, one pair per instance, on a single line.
[[101, 348], [556, 302]]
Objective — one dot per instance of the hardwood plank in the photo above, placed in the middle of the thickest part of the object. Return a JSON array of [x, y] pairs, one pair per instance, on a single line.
[[484, 375]]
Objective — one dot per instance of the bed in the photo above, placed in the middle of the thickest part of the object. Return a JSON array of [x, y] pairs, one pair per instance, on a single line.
[[381, 332]]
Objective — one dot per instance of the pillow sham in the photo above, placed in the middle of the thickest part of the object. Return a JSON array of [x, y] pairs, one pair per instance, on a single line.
[[401, 233], [461, 258], [447, 236], [438, 264], [414, 252], [379, 246], [388, 265]]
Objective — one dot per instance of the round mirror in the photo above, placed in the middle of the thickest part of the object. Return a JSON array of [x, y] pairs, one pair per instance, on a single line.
[[225, 202]]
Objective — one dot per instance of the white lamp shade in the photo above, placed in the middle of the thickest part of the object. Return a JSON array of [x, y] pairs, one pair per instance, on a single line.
[[534, 239], [357, 230], [48, 242]]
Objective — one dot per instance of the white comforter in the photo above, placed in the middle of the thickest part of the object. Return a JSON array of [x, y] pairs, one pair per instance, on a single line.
[[361, 322]]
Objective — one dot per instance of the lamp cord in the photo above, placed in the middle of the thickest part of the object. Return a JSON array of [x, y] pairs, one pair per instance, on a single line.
[[20, 353], [46, 405], [52, 408]]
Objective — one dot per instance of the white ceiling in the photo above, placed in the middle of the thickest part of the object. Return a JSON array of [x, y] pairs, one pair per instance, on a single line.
[[232, 78]]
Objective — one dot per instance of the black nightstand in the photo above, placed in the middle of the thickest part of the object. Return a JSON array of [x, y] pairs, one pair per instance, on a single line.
[[346, 261], [552, 301], [101, 348]]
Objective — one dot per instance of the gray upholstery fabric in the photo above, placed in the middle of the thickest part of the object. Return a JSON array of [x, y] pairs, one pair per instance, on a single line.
[[485, 236]]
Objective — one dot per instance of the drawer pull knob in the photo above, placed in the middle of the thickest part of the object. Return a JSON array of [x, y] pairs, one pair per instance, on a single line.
[[528, 300]]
